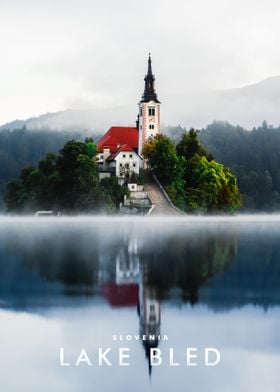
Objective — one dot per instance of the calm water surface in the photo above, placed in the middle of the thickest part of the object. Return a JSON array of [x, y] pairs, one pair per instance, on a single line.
[[74, 283]]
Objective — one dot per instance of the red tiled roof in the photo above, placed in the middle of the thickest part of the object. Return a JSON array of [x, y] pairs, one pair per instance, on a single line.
[[120, 295], [117, 137], [126, 147]]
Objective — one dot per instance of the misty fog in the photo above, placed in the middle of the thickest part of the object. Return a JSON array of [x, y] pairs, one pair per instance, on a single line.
[[91, 56]]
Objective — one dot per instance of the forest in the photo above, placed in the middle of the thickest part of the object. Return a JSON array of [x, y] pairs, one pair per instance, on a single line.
[[66, 182], [21, 147], [194, 181], [252, 155]]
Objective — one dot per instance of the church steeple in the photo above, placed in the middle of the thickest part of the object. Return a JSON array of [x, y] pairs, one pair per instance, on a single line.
[[148, 123], [149, 91]]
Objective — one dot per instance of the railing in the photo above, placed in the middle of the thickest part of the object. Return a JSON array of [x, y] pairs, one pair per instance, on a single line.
[[166, 195]]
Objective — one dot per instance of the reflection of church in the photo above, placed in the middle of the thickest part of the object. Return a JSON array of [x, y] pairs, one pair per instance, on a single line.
[[128, 286], [127, 264], [149, 316]]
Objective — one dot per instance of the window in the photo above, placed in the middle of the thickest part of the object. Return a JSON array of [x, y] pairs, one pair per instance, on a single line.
[[130, 155], [141, 112], [120, 164], [151, 126], [134, 164], [101, 156], [151, 111], [124, 155]]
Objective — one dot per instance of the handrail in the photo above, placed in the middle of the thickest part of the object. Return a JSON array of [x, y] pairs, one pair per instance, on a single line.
[[166, 195]]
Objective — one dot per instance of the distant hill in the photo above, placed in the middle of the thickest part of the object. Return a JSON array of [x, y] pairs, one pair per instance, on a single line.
[[95, 121], [268, 89], [247, 106], [252, 104]]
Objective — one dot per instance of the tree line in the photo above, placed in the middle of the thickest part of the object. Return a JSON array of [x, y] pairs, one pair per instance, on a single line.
[[253, 156], [66, 182], [22, 147]]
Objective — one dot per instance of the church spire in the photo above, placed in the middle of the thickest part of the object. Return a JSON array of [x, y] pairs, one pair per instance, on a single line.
[[149, 110], [150, 73], [149, 91]]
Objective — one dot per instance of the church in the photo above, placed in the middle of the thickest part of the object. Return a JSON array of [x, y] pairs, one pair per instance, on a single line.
[[120, 149]]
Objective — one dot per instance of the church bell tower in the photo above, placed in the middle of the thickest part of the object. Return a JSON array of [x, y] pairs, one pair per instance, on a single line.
[[149, 110]]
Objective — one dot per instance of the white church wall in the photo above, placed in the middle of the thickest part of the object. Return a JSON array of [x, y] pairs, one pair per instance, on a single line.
[[127, 161]]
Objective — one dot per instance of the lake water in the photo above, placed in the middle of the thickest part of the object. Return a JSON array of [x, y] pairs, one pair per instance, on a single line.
[[200, 282]]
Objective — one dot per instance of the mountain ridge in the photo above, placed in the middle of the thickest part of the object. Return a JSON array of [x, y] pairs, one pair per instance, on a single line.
[[247, 106]]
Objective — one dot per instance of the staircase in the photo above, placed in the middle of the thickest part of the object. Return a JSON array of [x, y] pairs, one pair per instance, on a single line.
[[161, 202]]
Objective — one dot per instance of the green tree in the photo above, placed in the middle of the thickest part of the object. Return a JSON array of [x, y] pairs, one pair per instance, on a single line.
[[212, 187], [113, 190], [189, 145], [161, 153], [77, 186], [14, 195], [68, 182], [168, 167], [193, 180]]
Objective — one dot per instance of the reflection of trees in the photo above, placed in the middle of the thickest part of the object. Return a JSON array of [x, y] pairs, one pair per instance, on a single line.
[[187, 263], [81, 257], [69, 257], [177, 262]]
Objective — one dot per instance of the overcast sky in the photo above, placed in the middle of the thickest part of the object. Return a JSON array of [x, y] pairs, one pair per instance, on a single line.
[[58, 54]]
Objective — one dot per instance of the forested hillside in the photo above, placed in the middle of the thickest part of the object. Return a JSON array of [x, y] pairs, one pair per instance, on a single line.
[[254, 157], [22, 147]]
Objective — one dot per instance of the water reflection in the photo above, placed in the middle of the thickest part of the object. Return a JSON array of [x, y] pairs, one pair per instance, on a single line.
[[96, 258], [220, 264], [141, 266]]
